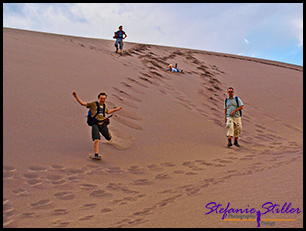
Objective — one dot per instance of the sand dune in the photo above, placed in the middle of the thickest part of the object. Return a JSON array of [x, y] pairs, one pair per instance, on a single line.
[[168, 158]]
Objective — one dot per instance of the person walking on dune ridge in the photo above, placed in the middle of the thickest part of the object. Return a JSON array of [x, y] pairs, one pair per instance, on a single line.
[[99, 125], [233, 110], [119, 36]]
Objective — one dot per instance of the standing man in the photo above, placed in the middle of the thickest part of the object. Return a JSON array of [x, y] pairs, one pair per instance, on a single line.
[[232, 112], [120, 35], [99, 126]]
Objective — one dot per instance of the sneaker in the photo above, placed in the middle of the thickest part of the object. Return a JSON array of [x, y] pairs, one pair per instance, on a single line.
[[95, 156], [236, 143], [229, 143], [116, 50]]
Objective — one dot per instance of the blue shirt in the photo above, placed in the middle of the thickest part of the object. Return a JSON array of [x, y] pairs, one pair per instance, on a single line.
[[173, 70], [120, 34], [231, 105]]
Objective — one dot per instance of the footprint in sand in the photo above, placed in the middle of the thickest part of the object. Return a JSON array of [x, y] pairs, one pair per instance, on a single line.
[[115, 170], [88, 186], [167, 164], [137, 82], [34, 182], [132, 88], [148, 79], [38, 168], [8, 168], [53, 177], [136, 170], [58, 167], [60, 223], [100, 193], [178, 172], [162, 176], [169, 200], [142, 182], [64, 195], [222, 161], [20, 192], [8, 175], [191, 174], [31, 175], [72, 171], [8, 171], [88, 206], [193, 190], [154, 167], [27, 215], [8, 214], [56, 180], [44, 203], [122, 93], [58, 212], [86, 218], [106, 210]]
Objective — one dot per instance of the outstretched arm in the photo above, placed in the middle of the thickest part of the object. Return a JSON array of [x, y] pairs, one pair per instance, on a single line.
[[116, 109], [78, 99]]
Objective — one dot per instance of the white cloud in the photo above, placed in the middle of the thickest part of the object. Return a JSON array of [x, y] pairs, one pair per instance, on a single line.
[[298, 30], [205, 26], [146, 23]]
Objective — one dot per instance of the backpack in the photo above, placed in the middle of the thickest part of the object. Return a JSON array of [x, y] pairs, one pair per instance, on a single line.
[[92, 120], [236, 98]]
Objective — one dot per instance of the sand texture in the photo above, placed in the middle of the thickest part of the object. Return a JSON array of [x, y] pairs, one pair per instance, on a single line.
[[168, 158]]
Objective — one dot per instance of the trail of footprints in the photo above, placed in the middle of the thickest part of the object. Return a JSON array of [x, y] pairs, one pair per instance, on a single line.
[[85, 189], [154, 75], [212, 90], [130, 91]]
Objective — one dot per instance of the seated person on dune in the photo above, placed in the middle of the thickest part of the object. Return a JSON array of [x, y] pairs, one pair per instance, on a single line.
[[172, 69]]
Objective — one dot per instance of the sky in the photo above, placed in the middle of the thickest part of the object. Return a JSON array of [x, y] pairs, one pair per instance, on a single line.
[[272, 31]]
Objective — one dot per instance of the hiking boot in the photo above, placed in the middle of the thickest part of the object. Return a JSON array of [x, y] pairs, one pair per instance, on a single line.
[[236, 143], [229, 144]]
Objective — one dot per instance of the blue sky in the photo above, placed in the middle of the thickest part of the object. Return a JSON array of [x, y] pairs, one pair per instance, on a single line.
[[271, 31]]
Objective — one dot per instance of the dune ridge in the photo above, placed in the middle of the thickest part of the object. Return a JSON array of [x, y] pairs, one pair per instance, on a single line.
[[168, 158]]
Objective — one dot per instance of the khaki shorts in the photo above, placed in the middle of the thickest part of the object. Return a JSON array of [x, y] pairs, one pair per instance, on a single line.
[[233, 126]]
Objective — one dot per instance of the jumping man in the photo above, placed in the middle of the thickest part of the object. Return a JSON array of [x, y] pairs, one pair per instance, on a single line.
[[99, 127]]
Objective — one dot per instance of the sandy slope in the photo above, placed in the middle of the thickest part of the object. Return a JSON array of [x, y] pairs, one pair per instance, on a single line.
[[168, 158]]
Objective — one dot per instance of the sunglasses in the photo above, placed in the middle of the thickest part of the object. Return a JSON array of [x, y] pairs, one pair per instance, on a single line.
[[230, 91]]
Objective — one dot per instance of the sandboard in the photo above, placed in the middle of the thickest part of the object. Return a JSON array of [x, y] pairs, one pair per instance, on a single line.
[[92, 156]]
